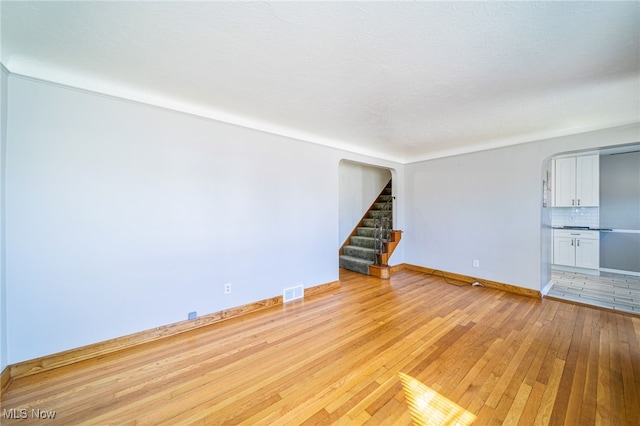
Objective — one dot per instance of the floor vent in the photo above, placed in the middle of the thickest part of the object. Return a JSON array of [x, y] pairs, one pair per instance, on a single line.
[[292, 293]]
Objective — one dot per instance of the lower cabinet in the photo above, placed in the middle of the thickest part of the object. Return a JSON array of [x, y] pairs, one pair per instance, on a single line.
[[580, 249]]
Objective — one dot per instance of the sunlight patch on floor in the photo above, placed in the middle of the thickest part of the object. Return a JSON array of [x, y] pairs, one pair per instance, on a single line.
[[428, 407]]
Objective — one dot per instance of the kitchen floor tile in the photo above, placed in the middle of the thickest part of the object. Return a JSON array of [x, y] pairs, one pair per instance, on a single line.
[[614, 291]]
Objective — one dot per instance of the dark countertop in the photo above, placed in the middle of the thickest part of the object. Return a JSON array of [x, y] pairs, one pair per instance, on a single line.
[[581, 228]]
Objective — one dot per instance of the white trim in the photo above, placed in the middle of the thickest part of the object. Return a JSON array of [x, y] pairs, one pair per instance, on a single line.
[[619, 271], [43, 74], [547, 288], [162, 102], [576, 270]]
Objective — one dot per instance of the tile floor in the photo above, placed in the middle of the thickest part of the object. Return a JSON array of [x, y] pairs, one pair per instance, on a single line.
[[613, 291]]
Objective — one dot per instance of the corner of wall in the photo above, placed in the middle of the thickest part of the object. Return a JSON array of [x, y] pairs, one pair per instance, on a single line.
[[4, 102]]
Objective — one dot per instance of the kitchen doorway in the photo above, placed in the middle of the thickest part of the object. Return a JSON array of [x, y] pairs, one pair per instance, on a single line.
[[595, 246]]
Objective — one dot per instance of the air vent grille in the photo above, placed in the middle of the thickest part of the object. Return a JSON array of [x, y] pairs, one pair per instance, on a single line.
[[292, 293]]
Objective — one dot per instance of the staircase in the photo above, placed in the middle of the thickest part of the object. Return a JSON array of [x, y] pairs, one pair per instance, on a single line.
[[368, 248]]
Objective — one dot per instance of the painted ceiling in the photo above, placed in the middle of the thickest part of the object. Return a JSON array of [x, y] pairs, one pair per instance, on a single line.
[[404, 81]]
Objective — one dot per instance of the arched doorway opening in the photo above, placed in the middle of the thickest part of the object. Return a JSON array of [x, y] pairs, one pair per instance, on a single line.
[[365, 192]]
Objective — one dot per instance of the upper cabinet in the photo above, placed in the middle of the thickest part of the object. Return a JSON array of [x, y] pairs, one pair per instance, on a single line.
[[577, 181]]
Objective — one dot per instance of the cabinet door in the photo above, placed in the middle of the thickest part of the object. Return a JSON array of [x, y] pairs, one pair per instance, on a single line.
[[565, 182], [587, 253], [564, 252], [588, 181]]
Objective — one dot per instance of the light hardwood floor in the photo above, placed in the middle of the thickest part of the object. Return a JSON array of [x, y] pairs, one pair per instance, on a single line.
[[335, 358]]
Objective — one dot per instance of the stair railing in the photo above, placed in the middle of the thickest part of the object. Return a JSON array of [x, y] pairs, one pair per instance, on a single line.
[[382, 230]]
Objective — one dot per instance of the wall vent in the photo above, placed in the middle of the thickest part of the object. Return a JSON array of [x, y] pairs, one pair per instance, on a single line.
[[292, 293]]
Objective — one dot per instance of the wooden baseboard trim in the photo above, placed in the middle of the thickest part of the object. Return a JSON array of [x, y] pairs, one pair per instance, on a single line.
[[5, 380], [465, 279], [72, 356], [400, 267], [322, 288]]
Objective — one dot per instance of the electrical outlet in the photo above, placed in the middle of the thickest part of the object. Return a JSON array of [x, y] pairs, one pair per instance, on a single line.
[[227, 288], [192, 315], [476, 263]]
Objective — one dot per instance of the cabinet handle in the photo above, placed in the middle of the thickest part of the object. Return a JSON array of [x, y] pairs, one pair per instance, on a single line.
[[572, 241], [578, 243], [573, 202], [578, 201]]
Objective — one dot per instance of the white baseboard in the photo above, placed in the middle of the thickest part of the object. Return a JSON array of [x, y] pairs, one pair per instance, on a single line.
[[618, 271], [576, 270], [547, 287]]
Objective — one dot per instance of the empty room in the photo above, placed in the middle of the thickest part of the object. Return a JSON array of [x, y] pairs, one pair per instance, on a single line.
[[274, 213]]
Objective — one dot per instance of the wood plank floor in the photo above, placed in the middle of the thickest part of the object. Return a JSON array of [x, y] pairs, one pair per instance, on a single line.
[[334, 359]]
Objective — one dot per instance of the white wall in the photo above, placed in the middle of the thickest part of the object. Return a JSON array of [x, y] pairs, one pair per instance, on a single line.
[[620, 209], [360, 185], [123, 217], [620, 191], [487, 206], [4, 86]]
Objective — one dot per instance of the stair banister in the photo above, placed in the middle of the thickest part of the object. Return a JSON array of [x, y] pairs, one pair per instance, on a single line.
[[382, 232]]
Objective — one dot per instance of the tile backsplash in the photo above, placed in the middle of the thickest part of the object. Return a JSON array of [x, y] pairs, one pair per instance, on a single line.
[[575, 216]]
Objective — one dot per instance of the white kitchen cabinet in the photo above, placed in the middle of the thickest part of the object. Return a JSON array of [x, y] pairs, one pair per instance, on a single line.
[[565, 181], [588, 253], [577, 181], [580, 249], [564, 251], [588, 180]]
